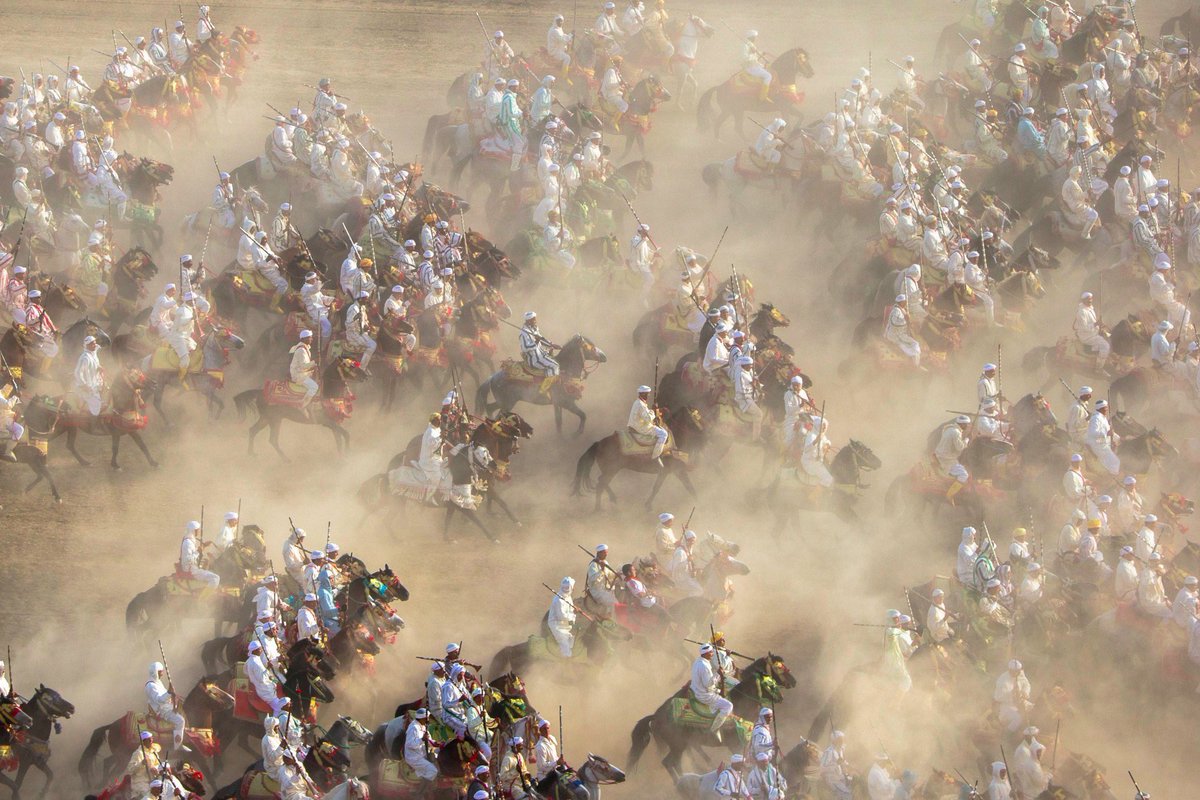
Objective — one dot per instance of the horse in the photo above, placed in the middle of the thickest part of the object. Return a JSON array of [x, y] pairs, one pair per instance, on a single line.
[[643, 100], [332, 405], [203, 706], [127, 286], [783, 98], [841, 499], [148, 611], [124, 417], [143, 177], [564, 393], [1129, 338], [206, 371], [45, 708], [686, 426], [799, 164], [593, 646]]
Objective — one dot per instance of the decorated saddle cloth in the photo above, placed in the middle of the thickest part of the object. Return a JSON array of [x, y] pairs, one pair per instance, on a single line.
[[641, 445], [687, 712], [283, 393]]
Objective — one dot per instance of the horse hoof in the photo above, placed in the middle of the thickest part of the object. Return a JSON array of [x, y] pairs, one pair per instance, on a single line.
[[154, 465], [116, 467]]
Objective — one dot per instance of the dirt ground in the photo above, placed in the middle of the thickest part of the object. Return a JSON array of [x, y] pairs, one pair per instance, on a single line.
[[70, 570]]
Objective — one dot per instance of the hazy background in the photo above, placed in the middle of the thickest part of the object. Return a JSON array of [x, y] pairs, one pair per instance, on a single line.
[[71, 569]]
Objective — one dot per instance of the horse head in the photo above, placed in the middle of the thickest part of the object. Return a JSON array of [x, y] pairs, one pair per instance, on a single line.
[[94, 330], [51, 704], [363, 640], [588, 349], [494, 301], [864, 456], [191, 778], [356, 732], [802, 63], [599, 770], [778, 671], [1158, 446], [1175, 505], [395, 589], [773, 315], [350, 369]]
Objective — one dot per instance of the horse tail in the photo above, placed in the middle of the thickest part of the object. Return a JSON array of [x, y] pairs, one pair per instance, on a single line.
[[372, 489], [712, 176], [640, 741], [502, 661], [137, 613], [1036, 358], [431, 128], [1119, 390], [231, 791], [704, 109], [90, 752], [243, 400], [583, 470], [211, 651]]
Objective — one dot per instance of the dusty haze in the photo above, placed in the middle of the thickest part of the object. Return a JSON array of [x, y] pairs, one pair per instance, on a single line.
[[71, 569]]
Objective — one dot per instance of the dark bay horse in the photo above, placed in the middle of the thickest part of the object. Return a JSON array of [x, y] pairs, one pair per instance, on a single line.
[[572, 359], [687, 428], [52, 417], [331, 406]]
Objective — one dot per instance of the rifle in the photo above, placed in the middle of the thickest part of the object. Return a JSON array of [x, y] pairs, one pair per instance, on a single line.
[[1054, 751], [12, 687], [636, 218], [726, 649], [604, 563], [1004, 758], [561, 735], [167, 669], [1137, 788], [687, 524], [654, 395], [712, 634]]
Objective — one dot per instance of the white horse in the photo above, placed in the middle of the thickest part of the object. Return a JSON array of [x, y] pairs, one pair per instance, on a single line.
[[350, 789], [598, 771]]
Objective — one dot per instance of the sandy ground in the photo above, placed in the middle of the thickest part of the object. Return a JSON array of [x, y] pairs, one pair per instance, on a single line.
[[71, 569]]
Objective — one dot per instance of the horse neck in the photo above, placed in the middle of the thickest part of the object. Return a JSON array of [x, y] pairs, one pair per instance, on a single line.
[[334, 385], [570, 358]]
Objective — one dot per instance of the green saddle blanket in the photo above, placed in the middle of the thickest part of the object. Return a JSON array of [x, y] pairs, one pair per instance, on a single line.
[[690, 713]]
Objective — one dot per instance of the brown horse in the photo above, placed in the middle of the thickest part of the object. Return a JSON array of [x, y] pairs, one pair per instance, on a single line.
[[202, 706], [332, 405], [783, 99], [687, 428], [52, 417]]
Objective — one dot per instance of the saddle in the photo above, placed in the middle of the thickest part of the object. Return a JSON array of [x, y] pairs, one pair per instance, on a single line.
[[134, 722], [247, 705], [518, 372], [687, 712], [751, 166], [283, 393], [182, 585], [165, 359], [259, 786], [636, 445], [250, 287]]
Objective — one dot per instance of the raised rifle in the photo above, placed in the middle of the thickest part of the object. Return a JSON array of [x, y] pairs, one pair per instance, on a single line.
[[691, 513], [1136, 788], [167, 669], [603, 563], [712, 634], [726, 649]]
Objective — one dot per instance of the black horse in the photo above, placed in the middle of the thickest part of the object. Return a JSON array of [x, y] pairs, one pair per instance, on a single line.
[[128, 287], [572, 362], [45, 708], [847, 469]]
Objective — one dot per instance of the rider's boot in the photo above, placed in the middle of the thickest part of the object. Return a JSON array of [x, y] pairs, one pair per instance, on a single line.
[[6, 450], [656, 454], [183, 379], [544, 388], [616, 123], [763, 90], [954, 489]]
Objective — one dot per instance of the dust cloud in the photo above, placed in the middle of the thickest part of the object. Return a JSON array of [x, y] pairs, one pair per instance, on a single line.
[[71, 569]]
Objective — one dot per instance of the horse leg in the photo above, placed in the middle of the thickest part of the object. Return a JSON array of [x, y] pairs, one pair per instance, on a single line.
[[73, 434], [273, 437], [686, 481], [494, 498], [44, 472], [558, 419], [137, 439], [159, 390], [658, 482], [44, 768], [579, 412], [11, 784], [258, 425], [474, 518]]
